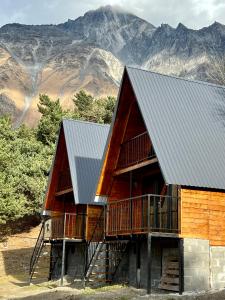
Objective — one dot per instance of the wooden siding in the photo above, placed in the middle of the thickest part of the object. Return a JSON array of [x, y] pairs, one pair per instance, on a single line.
[[203, 215], [118, 134], [120, 188], [63, 203], [93, 214]]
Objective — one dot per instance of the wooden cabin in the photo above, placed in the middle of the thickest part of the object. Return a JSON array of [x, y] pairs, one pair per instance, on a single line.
[[69, 212], [163, 175]]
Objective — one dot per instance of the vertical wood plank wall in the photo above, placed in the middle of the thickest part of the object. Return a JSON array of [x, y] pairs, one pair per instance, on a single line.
[[120, 189], [203, 215], [93, 214]]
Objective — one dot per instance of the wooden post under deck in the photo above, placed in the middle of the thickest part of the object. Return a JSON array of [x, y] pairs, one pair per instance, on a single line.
[[63, 252], [63, 262], [181, 266]]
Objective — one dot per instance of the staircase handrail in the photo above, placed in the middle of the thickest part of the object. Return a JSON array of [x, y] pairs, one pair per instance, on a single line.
[[37, 248]]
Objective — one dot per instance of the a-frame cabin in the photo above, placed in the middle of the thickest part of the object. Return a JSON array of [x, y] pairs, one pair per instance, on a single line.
[[163, 176], [70, 213]]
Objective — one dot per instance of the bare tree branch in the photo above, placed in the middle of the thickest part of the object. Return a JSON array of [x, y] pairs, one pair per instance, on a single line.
[[216, 72]]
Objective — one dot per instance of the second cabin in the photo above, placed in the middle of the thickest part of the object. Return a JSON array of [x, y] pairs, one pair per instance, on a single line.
[[70, 213]]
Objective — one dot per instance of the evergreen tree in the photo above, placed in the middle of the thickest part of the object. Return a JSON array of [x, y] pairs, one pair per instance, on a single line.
[[26, 153], [52, 114]]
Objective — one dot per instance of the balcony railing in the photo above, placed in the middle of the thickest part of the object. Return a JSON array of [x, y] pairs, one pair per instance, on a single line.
[[136, 150], [142, 214], [68, 225]]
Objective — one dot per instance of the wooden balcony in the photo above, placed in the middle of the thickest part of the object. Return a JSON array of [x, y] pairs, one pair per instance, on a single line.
[[143, 214], [136, 150], [66, 226]]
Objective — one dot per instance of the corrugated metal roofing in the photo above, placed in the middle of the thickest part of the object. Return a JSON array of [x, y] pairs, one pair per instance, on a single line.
[[186, 123], [85, 144]]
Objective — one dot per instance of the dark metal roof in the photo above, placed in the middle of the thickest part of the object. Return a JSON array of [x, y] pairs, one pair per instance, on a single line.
[[186, 123], [85, 144]]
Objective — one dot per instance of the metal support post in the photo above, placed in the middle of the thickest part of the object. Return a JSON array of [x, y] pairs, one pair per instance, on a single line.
[[181, 266], [149, 271]]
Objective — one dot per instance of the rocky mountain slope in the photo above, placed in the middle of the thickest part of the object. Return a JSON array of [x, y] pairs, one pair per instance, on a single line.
[[89, 53]]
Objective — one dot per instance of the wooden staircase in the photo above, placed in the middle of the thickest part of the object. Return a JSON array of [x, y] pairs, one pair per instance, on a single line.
[[106, 262], [170, 276], [41, 261], [102, 256]]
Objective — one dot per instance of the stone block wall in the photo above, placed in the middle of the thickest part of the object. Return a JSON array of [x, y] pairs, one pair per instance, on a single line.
[[217, 256], [196, 264]]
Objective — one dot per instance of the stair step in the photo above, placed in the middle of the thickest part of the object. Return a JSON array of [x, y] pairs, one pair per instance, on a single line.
[[101, 273], [110, 250], [99, 280], [170, 277], [103, 280], [104, 258]]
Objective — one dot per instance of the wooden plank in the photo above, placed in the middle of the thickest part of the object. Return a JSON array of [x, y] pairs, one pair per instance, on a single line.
[[66, 191], [172, 265], [169, 287], [134, 167], [171, 272], [169, 279]]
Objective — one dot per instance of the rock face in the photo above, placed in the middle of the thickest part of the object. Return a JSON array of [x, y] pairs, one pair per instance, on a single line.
[[89, 53]]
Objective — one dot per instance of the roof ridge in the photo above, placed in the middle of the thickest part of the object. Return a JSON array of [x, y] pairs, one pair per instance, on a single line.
[[86, 122], [179, 78]]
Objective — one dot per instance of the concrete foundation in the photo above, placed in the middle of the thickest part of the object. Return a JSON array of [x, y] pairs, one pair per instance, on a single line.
[[196, 265], [217, 257], [134, 264], [74, 260], [204, 265]]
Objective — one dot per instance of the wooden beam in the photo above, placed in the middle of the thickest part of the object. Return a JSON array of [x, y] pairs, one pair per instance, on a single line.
[[66, 191], [137, 166]]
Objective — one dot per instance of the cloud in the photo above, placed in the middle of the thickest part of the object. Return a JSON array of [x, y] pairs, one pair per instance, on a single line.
[[192, 13]]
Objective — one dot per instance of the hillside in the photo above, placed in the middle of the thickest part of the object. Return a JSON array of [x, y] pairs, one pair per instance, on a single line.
[[89, 53]]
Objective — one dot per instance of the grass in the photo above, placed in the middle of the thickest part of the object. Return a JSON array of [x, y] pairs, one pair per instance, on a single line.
[[106, 288]]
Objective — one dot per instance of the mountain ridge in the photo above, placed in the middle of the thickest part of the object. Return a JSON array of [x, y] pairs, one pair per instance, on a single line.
[[89, 53]]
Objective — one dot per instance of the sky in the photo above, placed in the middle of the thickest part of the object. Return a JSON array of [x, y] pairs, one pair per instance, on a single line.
[[192, 13]]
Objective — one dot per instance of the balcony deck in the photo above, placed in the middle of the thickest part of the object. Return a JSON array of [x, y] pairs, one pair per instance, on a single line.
[[66, 226], [143, 214]]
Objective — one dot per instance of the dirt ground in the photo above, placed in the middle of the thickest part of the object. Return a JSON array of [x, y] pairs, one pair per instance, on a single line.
[[11, 289], [15, 255]]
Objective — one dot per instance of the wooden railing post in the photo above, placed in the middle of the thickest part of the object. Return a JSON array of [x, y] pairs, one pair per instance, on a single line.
[[149, 212], [83, 225], [104, 221], [131, 214]]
